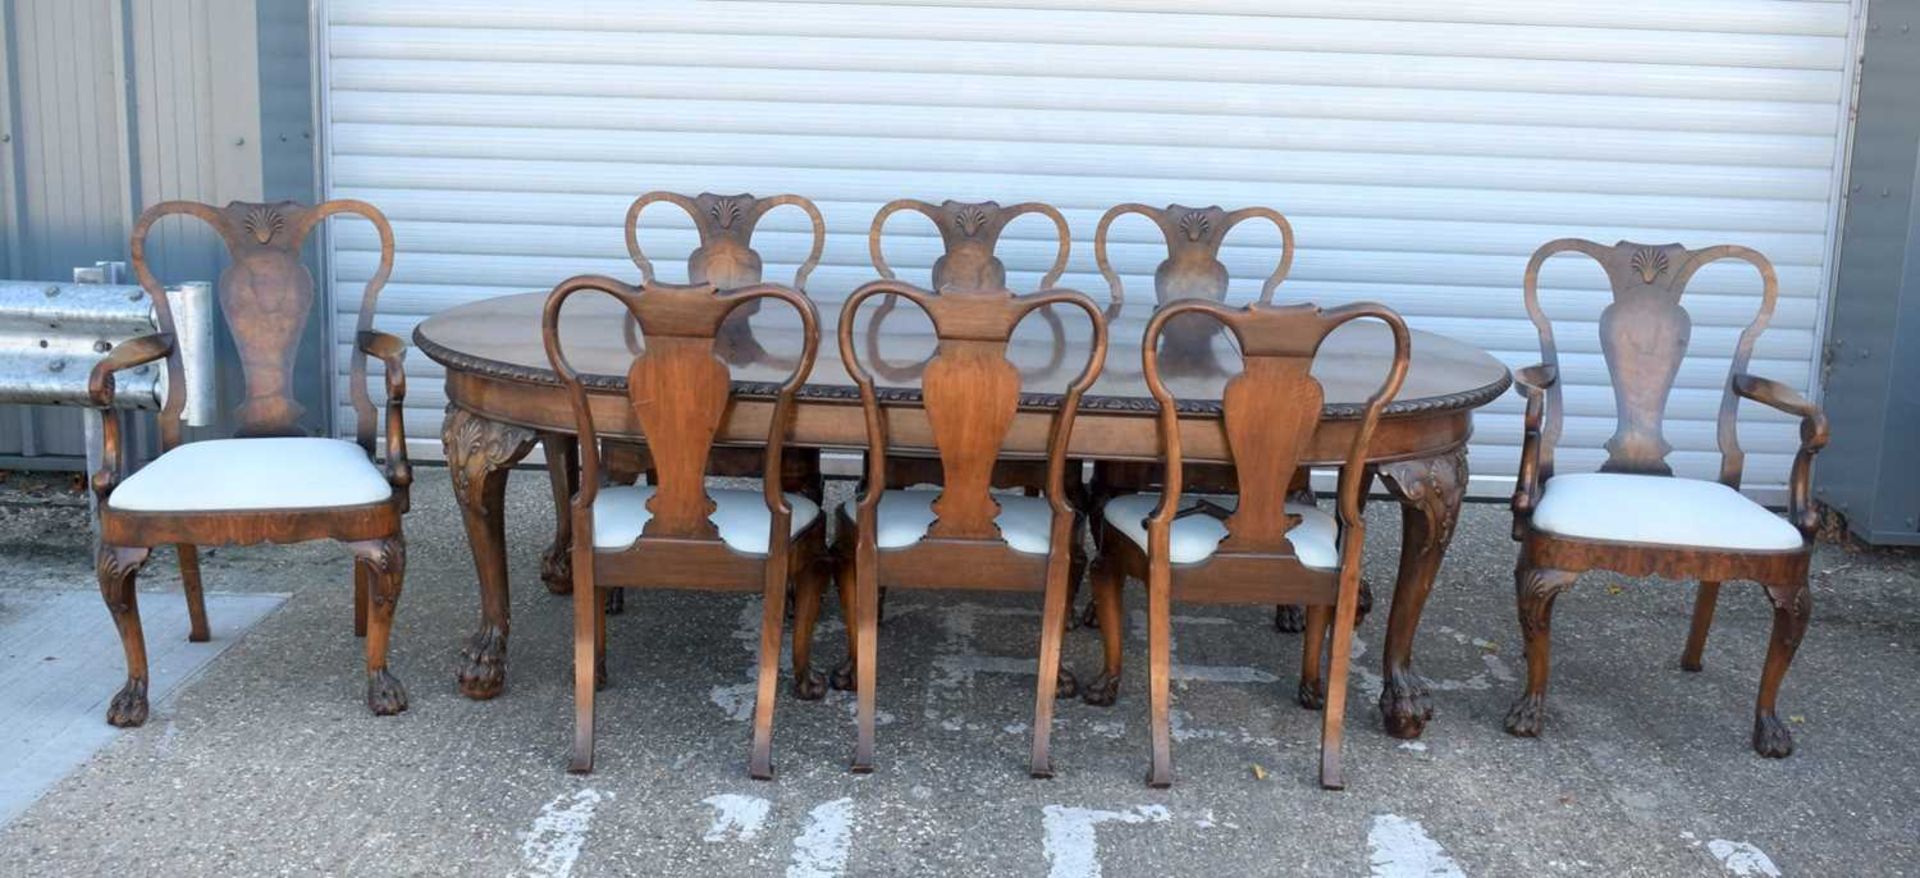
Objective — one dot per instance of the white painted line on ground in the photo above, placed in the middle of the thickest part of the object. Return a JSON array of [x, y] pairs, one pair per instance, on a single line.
[[553, 844], [1071, 846], [820, 851], [1742, 859], [735, 816], [61, 662], [1400, 848]]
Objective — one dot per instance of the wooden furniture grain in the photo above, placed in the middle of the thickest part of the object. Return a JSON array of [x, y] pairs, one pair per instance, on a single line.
[[962, 537], [271, 483], [676, 533], [503, 393], [727, 260], [1634, 516], [1265, 550]]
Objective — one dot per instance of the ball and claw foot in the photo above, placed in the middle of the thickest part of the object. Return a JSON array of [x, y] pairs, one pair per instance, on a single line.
[[843, 676], [1404, 706], [1311, 696], [486, 671], [129, 707], [1771, 738], [1527, 716], [1103, 691], [1064, 685], [810, 686], [1289, 619], [385, 695]]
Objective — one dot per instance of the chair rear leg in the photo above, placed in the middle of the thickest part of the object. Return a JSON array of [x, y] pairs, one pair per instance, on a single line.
[[1792, 605], [385, 564], [116, 567], [866, 638], [1703, 604], [1053, 623], [588, 607], [362, 588], [1333, 718], [1160, 672], [197, 631], [1312, 694], [808, 684], [773, 615], [1535, 589], [1107, 601]]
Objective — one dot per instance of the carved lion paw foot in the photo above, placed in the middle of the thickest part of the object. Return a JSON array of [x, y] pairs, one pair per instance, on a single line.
[[385, 695], [556, 570], [1064, 685], [810, 686], [129, 707], [1527, 716], [486, 671], [1289, 618], [843, 676], [1312, 695], [1103, 691], [1404, 706], [1771, 738]]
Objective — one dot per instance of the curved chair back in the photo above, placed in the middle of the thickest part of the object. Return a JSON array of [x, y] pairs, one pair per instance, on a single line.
[[266, 297], [970, 233], [725, 258], [1644, 334], [970, 391], [1271, 409], [1192, 269], [678, 394]]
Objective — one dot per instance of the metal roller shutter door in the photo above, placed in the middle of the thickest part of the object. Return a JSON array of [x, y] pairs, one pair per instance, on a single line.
[[1421, 150]]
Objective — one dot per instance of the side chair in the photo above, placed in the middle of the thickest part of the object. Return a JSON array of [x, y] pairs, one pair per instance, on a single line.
[[1635, 516], [677, 532], [962, 536], [271, 482], [1255, 547]]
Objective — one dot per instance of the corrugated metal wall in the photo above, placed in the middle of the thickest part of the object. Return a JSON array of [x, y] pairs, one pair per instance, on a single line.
[[112, 105], [1422, 150]]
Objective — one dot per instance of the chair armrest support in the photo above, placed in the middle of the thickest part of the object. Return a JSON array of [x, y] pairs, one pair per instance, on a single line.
[[392, 353], [1533, 382], [125, 355], [1813, 437]]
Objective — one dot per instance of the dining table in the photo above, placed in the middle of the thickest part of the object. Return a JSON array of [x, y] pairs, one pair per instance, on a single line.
[[503, 398]]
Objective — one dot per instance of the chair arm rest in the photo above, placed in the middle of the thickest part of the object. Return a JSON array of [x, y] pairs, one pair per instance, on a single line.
[[1813, 437], [1533, 382], [125, 355], [392, 353]]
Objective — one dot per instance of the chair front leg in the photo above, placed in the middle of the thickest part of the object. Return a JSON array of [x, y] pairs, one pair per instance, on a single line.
[[196, 598], [1107, 579], [1535, 589], [1312, 693], [808, 684], [1792, 605], [385, 562], [116, 567]]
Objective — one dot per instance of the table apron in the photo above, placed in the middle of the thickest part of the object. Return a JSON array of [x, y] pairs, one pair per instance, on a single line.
[[818, 423]]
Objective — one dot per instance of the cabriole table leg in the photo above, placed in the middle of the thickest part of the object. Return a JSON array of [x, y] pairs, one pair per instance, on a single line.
[[480, 453], [1429, 490]]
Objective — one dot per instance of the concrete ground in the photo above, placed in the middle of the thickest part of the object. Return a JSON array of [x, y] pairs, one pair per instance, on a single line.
[[269, 763]]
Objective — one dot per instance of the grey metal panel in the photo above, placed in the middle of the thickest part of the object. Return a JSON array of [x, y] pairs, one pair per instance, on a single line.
[[1871, 473]]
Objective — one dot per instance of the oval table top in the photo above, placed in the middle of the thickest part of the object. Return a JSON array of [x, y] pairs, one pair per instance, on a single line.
[[501, 338]]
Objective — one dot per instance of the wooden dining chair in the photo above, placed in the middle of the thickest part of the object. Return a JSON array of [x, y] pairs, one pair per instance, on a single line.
[[678, 533], [1256, 547], [1635, 516], [271, 482], [969, 263], [727, 260], [962, 536], [1191, 270]]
